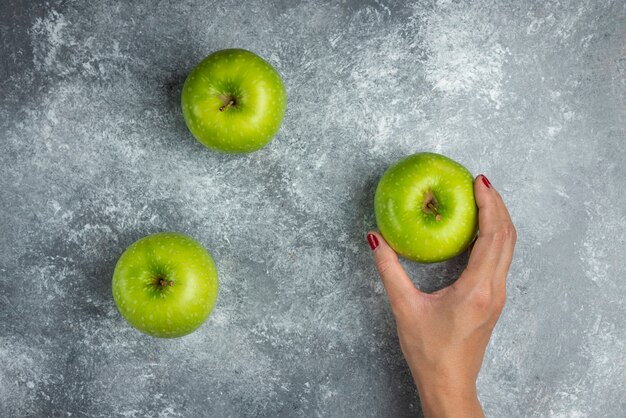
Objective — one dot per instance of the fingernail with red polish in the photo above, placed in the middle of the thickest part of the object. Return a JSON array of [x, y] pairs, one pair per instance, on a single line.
[[372, 240], [486, 181]]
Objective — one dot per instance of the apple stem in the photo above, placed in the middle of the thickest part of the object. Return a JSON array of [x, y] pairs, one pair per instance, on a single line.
[[227, 105], [164, 283], [434, 210]]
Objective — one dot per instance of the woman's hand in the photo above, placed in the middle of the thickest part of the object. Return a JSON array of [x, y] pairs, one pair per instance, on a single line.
[[444, 335]]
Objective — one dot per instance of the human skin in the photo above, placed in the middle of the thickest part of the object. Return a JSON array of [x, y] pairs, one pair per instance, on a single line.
[[443, 335]]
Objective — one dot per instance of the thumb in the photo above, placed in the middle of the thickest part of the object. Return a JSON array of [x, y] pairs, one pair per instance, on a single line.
[[397, 284]]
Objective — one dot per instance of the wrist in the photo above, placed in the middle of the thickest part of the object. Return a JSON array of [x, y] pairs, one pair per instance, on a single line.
[[446, 399]]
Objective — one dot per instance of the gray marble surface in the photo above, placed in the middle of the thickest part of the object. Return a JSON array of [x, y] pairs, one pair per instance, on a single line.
[[94, 154]]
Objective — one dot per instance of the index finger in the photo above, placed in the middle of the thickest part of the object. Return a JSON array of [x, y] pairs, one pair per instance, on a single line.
[[509, 238], [493, 248]]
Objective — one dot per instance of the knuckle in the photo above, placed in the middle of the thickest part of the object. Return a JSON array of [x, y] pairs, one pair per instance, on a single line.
[[482, 300], [488, 302], [506, 233], [509, 231], [500, 301], [513, 233], [383, 265], [499, 236]]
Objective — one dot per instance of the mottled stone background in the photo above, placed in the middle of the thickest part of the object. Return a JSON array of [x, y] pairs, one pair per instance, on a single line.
[[94, 154]]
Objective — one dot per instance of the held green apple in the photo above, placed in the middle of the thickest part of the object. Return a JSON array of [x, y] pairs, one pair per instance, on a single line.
[[425, 207], [234, 101], [165, 284]]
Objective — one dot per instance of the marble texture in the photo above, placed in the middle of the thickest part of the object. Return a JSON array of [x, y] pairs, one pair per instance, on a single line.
[[94, 154]]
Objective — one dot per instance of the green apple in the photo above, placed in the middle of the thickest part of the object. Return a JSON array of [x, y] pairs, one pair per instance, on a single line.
[[425, 207], [165, 284], [234, 101]]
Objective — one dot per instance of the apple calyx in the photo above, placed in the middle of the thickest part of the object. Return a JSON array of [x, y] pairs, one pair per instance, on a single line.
[[161, 282], [227, 101], [430, 205]]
